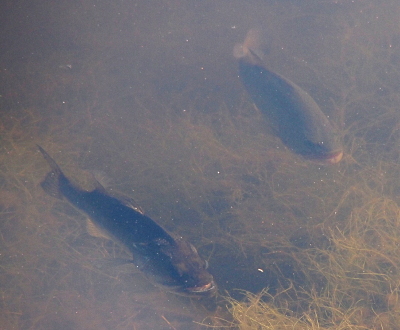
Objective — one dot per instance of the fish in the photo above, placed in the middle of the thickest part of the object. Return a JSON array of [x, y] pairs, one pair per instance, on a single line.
[[294, 115], [166, 259]]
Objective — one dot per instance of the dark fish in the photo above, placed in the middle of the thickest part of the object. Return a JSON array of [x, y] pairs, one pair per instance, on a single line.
[[295, 116], [168, 260]]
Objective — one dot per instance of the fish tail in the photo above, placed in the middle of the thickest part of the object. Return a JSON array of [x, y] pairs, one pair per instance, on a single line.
[[51, 183], [250, 48]]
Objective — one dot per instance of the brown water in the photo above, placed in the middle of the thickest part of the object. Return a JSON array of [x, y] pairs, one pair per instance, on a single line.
[[148, 94]]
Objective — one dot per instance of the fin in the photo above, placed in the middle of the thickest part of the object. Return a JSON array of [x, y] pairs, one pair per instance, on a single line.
[[250, 48], [99, 187], [95, 231], [127, 201], [100, 181], [130, 202], [50, 184], [54, 167]]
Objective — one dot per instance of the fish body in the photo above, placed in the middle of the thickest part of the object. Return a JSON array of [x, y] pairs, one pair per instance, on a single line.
[[167, 259], [294, 115]]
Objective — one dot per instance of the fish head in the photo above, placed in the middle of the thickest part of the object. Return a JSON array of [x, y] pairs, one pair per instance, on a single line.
[[177, 267], [322, 153], [316, 139], [320, 143], [194, 277]]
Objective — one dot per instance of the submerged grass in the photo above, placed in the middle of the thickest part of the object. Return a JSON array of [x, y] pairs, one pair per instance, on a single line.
[[346, 251], [351, 283], [292, 245]]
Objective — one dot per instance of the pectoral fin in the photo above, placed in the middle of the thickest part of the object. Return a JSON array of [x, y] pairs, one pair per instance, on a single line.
[[95, 231]]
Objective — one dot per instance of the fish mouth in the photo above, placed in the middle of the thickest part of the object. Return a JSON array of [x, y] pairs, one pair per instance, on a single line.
[[334, 158], [329, 159], [201, 289]]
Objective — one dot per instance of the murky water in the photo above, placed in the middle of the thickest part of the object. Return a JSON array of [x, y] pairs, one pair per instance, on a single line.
[[147, 93]]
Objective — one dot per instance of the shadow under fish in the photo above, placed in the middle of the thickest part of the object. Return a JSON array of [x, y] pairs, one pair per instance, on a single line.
[[294, 115], [166, 259]]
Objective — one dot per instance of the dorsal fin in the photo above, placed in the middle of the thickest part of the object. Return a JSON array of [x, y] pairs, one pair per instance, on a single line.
[[51, 183]]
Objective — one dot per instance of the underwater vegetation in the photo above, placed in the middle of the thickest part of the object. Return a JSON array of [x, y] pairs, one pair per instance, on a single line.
[[345, 260], [291, 244], [352, 278]]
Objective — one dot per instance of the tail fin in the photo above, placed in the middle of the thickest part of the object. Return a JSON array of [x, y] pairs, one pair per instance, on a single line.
[[250, 48], [51, 183]]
